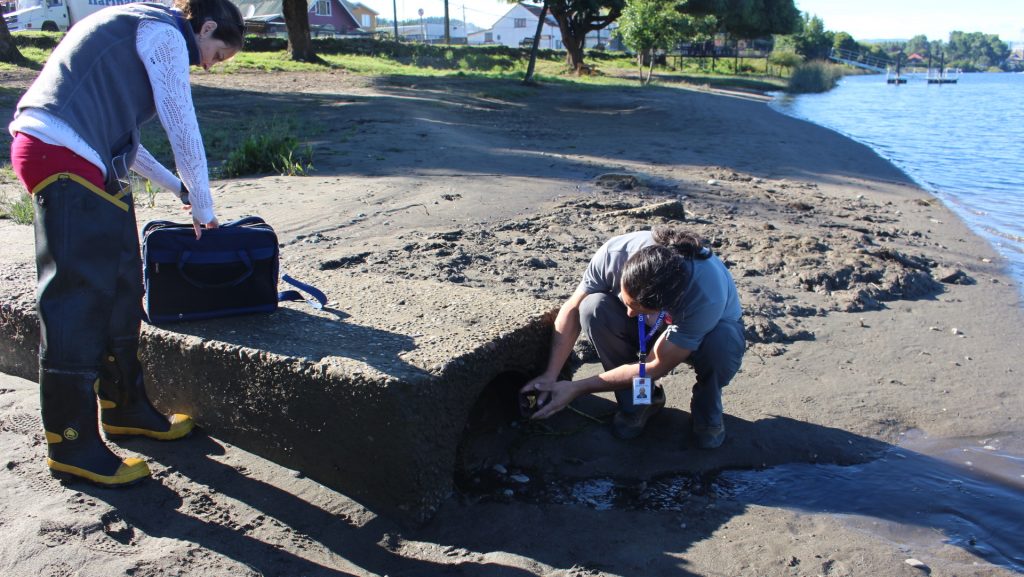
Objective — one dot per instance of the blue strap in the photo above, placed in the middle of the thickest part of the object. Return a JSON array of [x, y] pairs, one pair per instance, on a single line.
[[641, 324], [318, 301]]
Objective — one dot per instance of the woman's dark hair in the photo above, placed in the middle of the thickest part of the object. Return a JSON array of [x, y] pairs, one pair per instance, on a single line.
[[230, 24], [656, 276]]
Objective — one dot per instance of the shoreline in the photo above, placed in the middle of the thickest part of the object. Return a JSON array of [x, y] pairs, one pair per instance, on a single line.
[[837, 257], [977, 203]]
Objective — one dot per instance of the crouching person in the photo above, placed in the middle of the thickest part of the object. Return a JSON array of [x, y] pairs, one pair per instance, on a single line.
[[649, 301]]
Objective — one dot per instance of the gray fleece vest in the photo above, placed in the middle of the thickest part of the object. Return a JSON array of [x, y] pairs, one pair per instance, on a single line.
[[96, 82]]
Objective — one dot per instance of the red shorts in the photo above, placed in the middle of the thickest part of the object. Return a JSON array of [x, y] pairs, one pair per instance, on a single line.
[[34, 161]]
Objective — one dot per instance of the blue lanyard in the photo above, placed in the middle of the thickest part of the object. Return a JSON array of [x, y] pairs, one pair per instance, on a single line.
[[641, 324]]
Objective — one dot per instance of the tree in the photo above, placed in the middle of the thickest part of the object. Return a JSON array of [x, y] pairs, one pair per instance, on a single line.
[[743, 18], [784, 53], [918, 45], [843, 41], [8, 49], [976, 50], [813, 42], [752, 18], [577, 18], [296, 20], [647, 26], [532, 66]]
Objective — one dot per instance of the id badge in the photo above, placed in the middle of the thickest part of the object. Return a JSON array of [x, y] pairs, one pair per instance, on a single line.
[[642, 391]]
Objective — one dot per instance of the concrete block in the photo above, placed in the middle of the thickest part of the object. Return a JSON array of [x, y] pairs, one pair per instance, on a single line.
[[370, 396]]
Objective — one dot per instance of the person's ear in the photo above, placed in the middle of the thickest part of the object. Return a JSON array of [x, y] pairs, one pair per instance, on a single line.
[[207, 29]]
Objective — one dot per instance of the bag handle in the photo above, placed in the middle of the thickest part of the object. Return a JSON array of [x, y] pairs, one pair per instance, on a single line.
[[318, 301], [243, 255], [244, 221]]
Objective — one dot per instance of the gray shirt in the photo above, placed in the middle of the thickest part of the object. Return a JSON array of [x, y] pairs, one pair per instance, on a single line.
[[709, 298], [96, 83]]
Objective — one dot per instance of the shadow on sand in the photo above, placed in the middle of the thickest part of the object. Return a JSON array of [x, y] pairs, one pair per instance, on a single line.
[[818, 470]]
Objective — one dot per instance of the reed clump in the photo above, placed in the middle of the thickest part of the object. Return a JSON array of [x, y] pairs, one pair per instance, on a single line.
[[812, 77]]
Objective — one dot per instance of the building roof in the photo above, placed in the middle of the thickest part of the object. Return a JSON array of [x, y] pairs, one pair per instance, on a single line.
[[253, 8], [352, 6], [535, 10]]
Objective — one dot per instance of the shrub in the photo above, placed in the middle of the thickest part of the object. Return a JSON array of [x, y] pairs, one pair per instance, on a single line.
[[816, 76], [20, 210]]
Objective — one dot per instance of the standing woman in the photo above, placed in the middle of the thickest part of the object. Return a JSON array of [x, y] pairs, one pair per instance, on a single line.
[[76, 136]]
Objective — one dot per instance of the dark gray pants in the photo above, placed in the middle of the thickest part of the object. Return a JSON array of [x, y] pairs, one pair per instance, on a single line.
[[90, 275], [715, 362]]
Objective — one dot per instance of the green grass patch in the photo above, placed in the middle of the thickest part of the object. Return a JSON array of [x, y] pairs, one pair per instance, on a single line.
[[34, 60], [269, 149], [17, 206], [38, 39], [266, 62], [19, 210], [232, 149]]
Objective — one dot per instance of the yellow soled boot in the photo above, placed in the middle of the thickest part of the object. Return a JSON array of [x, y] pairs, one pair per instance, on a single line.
[[126, 406], [75, 449]]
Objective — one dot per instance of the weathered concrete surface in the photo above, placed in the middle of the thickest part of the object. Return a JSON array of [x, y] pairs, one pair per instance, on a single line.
[[369, 405]]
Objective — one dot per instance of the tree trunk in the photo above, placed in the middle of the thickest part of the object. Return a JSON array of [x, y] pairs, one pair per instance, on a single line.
[[9, 52], [572, 42], [296, 19], [574, 53], [528, 79]]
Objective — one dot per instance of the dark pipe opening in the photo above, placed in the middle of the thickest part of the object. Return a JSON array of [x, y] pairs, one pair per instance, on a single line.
[[492, 428]]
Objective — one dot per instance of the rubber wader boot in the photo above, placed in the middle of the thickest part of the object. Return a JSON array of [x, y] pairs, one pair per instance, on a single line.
[[75, 449], [126, 407]]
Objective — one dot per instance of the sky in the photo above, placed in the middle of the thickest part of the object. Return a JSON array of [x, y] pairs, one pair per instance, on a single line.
[[881, 19], [863, 19]]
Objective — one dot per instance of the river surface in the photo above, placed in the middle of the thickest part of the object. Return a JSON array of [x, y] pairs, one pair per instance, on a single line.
[[962, 142]]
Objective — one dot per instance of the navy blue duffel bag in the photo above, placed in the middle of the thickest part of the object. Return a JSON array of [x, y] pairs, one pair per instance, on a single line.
[[233, 270]]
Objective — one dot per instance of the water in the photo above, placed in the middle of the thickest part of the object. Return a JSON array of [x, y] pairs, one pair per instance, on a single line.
[[921, 495], [962, 142]]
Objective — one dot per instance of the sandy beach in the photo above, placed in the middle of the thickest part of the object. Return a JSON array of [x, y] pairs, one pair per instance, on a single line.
[[883, 367]]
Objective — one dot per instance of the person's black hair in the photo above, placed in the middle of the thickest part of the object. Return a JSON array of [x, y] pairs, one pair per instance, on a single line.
[[656, 276], [230, 24], [685, 243]]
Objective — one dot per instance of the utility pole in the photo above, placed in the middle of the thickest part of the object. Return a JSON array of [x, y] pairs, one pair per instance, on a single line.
[[447, 26], [394, 6]]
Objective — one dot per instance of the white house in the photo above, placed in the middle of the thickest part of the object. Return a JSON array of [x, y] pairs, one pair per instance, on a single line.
[[519, 24], [432, 32]]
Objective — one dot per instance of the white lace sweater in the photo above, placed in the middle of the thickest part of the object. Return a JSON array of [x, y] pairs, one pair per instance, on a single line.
[[165, 55]]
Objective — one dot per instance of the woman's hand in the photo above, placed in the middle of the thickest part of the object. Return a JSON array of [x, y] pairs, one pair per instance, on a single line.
[[199, 226]]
